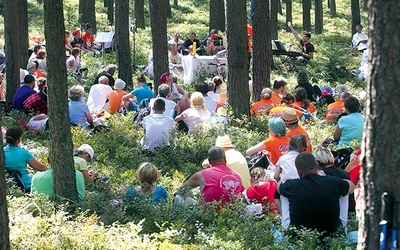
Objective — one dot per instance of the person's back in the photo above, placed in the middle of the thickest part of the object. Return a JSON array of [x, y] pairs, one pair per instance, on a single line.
[[37, 103], [23, 92], [334, 110], [98, 94], [115, 97], [351, 126]]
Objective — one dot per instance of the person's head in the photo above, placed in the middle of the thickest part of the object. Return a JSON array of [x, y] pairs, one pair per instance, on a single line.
[[280, 83], [111, 69], [216, 155], [217, 81], [173, 48], [159, 106], [147, 175], [298, 143], [66, 33], [324, 157], [343, 96], [119, 84], [197, 100], [14, 135], [177, 36], [36, 48], [141, 79], [266, 93], [29, 80], [340, 89], [224, 142], [256, 175], [41, 54], [289, 116], [32, 66], [211, 86], [43, 93], [287, 99], [76, 34], [201, 87], [104, 80], [88, 28], [166, 78], [163, 90], [302, 78], [359, 28], [192, 36], [85, 151], [352, 104], [305, 163], [213, 32], [300, 94], [277, 127], [306, 37], [75, 52], [41, 82], [76, 92]]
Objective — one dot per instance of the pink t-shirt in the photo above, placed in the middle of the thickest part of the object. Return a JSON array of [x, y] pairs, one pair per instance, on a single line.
[[221, 183]]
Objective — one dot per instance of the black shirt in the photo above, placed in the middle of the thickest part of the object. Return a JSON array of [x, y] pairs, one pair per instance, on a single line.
[[111, 80]]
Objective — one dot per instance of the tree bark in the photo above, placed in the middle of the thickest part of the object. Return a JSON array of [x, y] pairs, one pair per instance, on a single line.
[[332, 8], [365, 5], [274, 19], [319, 17], [217, 15], [355, 15], [261, 48], [110, 12], [169, 12], [306, 15], [82, 11], [12, 41], [238, 82], [175, 3], [288, 14], [122, 39], [87, 13], [158, 20], [381, 172], [64, 183], [23, 37], [139, 14]]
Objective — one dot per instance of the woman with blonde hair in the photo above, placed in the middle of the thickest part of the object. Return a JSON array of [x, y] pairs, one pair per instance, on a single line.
[[147, 176], [196, 114]]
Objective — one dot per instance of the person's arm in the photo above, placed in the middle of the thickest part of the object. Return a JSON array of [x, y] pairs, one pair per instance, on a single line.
[[196, 180], [277, 174], [294, 31], [254, 150], [89, 176], [310, 55], [179, 118], [337, 133], [354, 162], [127, 97], [352, 187], [183, 92], [35, 164], [89, 118]]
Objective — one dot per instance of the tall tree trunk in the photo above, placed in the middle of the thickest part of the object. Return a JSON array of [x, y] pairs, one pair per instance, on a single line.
[[169, 12], [82, 11], [332, 8], [4, 227], [175, 3], [365, 5], [139, 14], [280, 11], [110, 12], [87, 13], [355, 15], [261, 45], [217, 15], [158, 20], [288, 14], [64, 183], [12, 40], [306, 15], [238, 78], [319, 17], [122, 38], [23, 37], [381, 172], [274, 19]]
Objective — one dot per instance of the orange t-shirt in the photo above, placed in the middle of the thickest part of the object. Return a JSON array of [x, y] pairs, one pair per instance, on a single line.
[[299, 130], [249, 36], [88, 40], [276, 99], [276, 146], [115, 100], [311, 108], [262, 107], [221, 100], [277, 111], [334, 110]]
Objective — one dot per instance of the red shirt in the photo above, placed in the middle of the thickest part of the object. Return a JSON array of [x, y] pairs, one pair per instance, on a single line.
[[88, 40], [264, 194], [36, 104]]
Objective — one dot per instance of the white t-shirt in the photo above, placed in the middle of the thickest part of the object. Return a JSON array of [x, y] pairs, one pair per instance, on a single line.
[[39, 125], [194, 118], [76, 61], [211, 105], [169, 105], [286, 163], [157, 130], [357, 37], [98, 95]]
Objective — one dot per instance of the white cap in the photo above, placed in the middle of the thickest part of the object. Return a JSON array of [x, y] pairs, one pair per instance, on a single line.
[[88, 149], [119, 84]]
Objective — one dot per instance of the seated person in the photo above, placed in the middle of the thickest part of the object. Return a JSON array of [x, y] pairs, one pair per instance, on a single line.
[[209, 103], [39, 123], [360, 40], [133, 100], [287, 101], [68, 46], [178, 94], [36, 48], [303, 82], [214, 43], [88, 39], [164, 93], [354, 167], [147, 176], [276, 145], [82, 156], [74, 62], [41, 70], [263, 106], [351, 126], [77, 41], [115, 97], [307, 48], [301, 102], [42, 183], [175, 60], [291, 119], [186, 45], [36, 103], [278, 90], [98, 95], [335, 109], [79, 114], [16, 158], [158, 127], [108, 71], [23, 92], [218, 183]]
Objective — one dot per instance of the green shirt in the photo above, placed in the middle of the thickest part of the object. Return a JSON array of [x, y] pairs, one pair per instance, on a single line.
[[42, 182]]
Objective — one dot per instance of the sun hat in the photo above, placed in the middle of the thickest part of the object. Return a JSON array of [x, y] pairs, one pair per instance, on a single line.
[[289, 116], [278, 126], [224, 142], [119, 84], [164, 77], [88, 149]]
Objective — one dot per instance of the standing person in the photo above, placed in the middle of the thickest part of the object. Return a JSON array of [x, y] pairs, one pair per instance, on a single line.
[[16, 158], [98, 95], [79, 114], [291, 119], [314, 199], [307, 48], [23, 92], [115, 97], [108, 71], [360, 40], [133, 99]]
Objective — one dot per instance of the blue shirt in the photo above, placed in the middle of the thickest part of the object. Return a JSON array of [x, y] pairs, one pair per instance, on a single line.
[[142, 92], [16, 159], [352, 127], [21, 95], [77, 113], [160, 194]]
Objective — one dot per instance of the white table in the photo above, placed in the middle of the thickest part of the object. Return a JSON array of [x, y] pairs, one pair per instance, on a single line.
[[193, 65]]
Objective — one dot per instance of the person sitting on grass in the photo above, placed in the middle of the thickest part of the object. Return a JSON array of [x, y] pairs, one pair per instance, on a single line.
[[336, 109], [307, 48], [82, 156], [263, 106], [301, 102], [79, 114], [291, 119], [132, 100], [115, 97], [147, 176]]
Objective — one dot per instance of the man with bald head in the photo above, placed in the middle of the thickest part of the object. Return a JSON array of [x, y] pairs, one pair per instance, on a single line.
[[98, 95]]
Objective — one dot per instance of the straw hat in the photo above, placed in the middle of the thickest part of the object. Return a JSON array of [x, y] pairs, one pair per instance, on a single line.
[[224, 142], [289, 116]]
